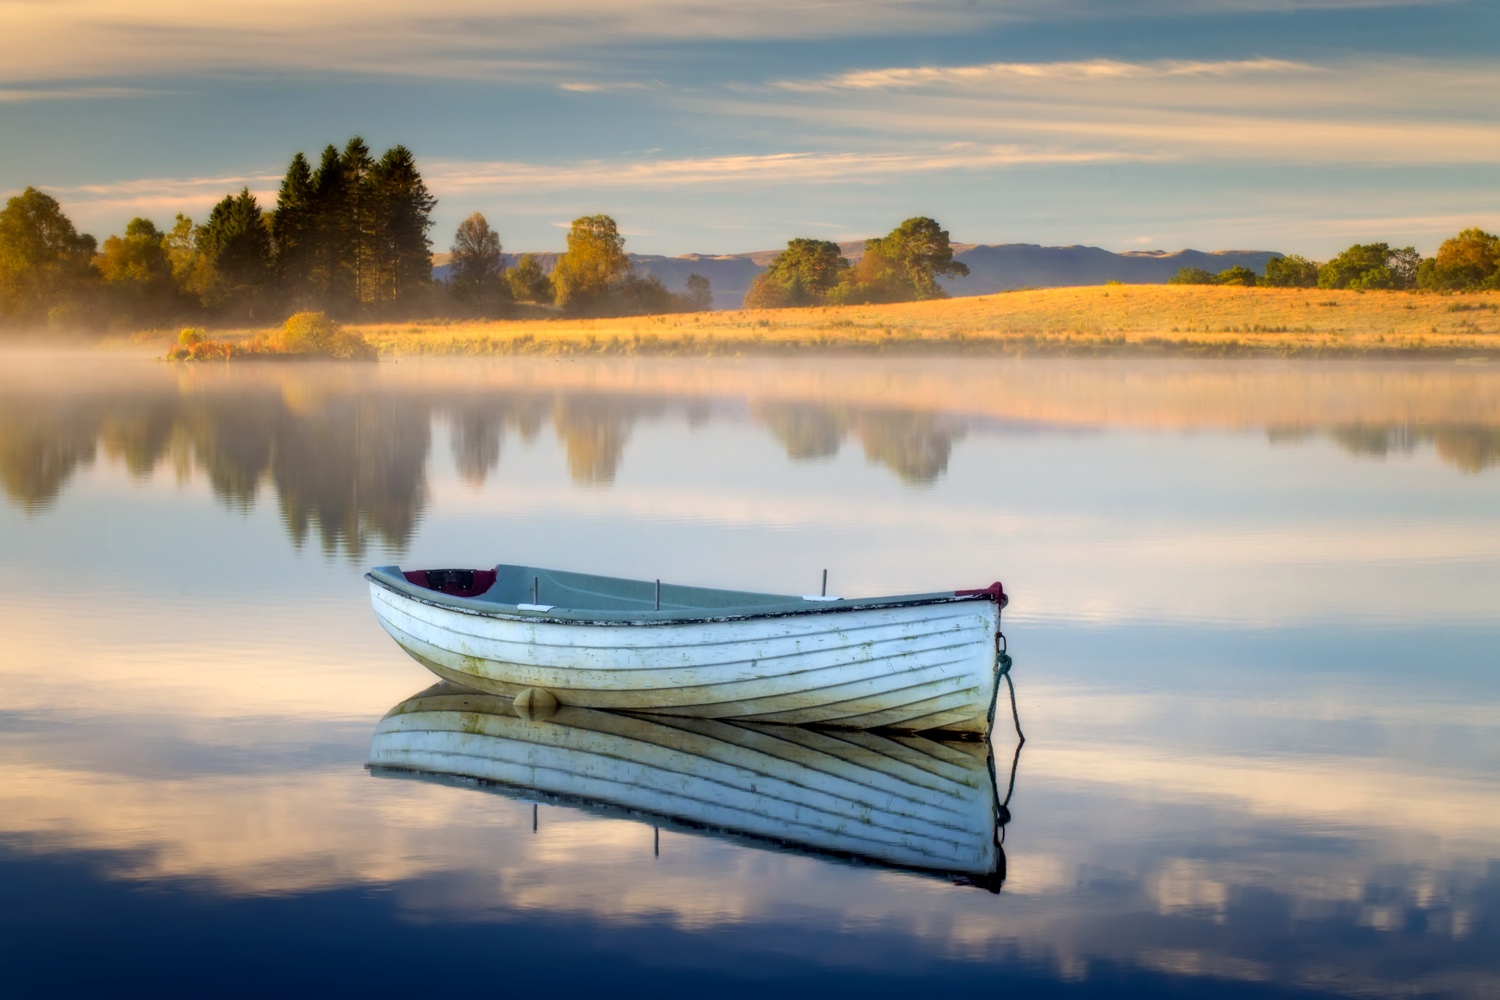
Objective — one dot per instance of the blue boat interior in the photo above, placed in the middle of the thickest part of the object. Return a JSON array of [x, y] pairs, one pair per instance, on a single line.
[[521, 585]]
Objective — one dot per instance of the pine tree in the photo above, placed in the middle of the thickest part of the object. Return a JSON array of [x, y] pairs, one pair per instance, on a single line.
[[236, 244], [329, 280], [293, 228], [400, 213], [359, 217]]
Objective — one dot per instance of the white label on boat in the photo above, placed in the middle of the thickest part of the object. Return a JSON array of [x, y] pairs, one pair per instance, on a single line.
[[819, 597], [535, 607]]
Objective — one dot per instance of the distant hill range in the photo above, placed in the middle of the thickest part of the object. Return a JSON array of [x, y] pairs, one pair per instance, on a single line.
[[993, 267]]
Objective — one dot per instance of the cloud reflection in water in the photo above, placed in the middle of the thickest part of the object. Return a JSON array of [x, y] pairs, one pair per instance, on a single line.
[[1256, 680]]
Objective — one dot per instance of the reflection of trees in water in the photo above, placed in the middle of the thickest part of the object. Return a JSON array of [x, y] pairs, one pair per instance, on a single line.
[[915, 446], [232, 438], [1469, 448], [594, 430], [1362, 439], [42, 443], [478, 430], [351, 467], [477, 436], [354, 468], [139, 435], [348, 463], [806, 432]]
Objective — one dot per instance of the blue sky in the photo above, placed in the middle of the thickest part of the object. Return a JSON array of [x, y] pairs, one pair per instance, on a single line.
[[726, 127]]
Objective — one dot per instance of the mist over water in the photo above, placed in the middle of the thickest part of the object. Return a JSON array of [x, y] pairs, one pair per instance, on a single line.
[[1254, 618]]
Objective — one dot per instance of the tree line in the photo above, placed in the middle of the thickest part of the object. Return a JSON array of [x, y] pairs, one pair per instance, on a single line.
[[349, 237], [349, 467], [902, 266], [593, 277], [1466, 262]]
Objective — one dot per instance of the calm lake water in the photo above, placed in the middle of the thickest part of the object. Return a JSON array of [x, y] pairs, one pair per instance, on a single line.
[[1255, 622]]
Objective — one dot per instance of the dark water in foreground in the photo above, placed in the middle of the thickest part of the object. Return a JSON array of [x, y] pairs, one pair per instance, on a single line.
[[1255, 623]]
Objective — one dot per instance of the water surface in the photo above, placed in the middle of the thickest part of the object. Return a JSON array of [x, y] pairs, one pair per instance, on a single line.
[[1254, 623]]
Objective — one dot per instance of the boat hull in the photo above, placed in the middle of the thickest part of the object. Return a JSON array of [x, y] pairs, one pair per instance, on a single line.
[[901, 801], [914, 667]]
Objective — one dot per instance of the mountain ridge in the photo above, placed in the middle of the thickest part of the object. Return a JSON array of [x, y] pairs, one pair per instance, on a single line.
[[993, 267]]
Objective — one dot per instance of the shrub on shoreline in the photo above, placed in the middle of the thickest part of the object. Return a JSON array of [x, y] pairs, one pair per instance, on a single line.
[[304, 335], [314, 334], [193, 344]]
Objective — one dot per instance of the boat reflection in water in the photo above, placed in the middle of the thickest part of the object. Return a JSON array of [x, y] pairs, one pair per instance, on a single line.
[[889, 800]]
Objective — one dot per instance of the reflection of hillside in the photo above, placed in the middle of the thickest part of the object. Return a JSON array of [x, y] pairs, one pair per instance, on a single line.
[[1469, 448]]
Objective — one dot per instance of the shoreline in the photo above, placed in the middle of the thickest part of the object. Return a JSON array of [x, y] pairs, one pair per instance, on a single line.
[[970, 346], [1102, 321], [1132, 321]]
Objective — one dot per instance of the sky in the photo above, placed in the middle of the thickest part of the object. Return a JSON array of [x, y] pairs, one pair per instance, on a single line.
[[718, 127]]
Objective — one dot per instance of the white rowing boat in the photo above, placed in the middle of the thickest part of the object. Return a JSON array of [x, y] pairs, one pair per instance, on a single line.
[[915, 663], [906, 802]]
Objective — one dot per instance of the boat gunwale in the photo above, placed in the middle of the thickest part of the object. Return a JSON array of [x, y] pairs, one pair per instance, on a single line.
[[509, 612]]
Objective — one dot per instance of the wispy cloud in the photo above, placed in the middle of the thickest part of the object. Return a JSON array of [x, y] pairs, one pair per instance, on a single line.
[[25, 95], [465, 180], [90, 39], [164, 196], [1089, 70], [1361, 112], [769, 169], [510, 39], [584, 87]]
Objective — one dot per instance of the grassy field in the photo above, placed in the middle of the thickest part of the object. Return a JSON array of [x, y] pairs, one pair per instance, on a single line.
[[1116, 319]]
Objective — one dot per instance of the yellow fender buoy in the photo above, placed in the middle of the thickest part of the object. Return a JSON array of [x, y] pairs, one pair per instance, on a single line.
[[536, 704]]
